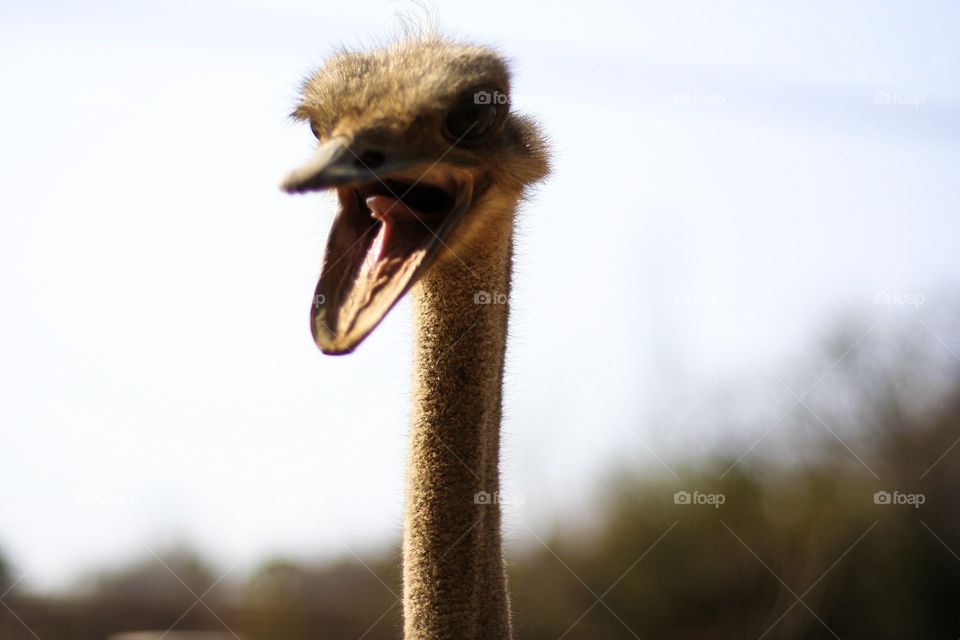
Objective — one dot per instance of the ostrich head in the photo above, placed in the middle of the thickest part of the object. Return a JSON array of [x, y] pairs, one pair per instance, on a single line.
[[426, 157]]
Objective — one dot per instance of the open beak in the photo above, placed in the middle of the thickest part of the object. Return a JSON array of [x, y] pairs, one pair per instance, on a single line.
[[395, 213]]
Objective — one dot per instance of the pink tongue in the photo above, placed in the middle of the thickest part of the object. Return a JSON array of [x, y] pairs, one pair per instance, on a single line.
[[401, 236], [385, 208]]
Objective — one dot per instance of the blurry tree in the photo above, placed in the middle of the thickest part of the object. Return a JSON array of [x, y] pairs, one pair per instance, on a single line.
[[163, 591], [6, 579], [178, 576], [348, 599], [799, 550]]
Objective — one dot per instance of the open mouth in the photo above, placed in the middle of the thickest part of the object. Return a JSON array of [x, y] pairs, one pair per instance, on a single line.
[[390, 227], [423, 201], [385, 235]]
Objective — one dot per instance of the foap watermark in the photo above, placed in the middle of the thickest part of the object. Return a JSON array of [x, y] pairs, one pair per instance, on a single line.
[[488, 297], [895, 497], [899, 98], [498, 497], [699, 498], [699, 99], [318, 300], [907, 299], [489, 97]]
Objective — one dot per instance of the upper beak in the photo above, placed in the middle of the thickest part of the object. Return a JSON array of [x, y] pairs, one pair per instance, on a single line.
[[328, 166], [340, 160], [333, 163]]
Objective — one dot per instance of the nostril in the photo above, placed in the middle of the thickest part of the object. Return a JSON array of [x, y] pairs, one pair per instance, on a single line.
[[369, 160]]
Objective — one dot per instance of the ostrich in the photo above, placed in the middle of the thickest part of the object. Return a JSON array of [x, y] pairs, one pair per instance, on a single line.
[[429, 164]]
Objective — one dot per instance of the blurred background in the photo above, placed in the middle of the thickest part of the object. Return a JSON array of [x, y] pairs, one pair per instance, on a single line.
[[733, 382]]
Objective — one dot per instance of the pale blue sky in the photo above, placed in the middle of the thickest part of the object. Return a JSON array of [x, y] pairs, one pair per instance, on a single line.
[[728, 179]]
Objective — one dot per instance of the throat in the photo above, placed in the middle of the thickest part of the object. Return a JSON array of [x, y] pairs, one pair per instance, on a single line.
[[454, 581]]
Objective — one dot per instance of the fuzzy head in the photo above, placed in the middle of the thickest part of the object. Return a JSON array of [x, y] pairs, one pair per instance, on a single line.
[[419, 140]]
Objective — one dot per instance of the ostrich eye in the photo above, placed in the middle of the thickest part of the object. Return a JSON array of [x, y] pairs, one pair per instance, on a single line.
[[475, 115]]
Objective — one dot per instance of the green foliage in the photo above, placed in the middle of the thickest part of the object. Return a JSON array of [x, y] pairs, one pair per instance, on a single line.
[[802, 546], [688, 571]]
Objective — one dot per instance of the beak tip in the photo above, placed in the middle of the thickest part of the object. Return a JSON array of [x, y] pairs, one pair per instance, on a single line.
[[329, 166], [329, 342], [290, 185], [330, 346], [334, 351]]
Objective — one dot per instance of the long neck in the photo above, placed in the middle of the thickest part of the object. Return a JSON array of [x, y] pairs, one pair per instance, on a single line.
[[454, 580]]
